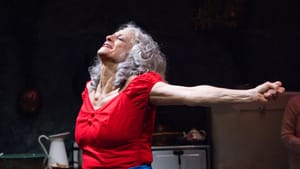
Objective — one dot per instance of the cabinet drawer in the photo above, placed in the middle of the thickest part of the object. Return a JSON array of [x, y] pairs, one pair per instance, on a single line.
[[179, 159]]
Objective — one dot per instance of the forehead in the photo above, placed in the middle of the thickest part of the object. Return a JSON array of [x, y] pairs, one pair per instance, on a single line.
[[125, 32]]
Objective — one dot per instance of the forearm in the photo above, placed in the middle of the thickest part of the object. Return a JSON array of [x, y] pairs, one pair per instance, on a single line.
[[205, 94]]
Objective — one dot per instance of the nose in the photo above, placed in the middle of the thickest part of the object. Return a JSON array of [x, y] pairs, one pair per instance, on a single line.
[[109, 37]]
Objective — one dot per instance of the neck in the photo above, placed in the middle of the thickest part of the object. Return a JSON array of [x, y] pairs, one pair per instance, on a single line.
[[108, 72]]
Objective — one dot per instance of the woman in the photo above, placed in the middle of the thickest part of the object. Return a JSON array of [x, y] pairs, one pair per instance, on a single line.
[[115, 123]]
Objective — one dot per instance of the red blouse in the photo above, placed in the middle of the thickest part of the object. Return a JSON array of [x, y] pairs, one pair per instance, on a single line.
[[118, 134]]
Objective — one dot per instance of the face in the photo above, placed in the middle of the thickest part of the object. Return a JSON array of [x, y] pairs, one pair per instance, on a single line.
[[116, 46]]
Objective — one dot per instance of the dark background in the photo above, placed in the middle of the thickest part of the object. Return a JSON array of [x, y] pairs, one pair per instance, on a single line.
[[48, 45]]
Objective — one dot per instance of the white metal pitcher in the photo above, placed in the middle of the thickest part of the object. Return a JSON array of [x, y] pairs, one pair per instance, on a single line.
[[57, 156]]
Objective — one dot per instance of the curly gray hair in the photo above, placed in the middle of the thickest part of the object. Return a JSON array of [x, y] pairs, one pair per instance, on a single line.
[[144, 56]]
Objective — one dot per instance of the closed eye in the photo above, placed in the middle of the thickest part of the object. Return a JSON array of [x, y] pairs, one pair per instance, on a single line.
[[121, 39]]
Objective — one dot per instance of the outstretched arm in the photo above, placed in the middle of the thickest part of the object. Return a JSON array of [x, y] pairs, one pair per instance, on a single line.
[[205, 95]]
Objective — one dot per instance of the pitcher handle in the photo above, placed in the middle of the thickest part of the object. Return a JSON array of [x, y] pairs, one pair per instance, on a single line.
[[203, 132], [42, 145]]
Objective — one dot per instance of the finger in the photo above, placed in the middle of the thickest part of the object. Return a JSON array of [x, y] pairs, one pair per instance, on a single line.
[[267, 94], [273, 94], [270, 93], [277, 86], [281, 90], [278, 83]]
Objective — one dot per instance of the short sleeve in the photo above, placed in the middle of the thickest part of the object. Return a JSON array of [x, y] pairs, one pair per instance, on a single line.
[[139, 88]]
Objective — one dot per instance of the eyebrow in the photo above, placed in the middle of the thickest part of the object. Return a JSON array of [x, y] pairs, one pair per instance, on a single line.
[[117, 34], [121, 34]]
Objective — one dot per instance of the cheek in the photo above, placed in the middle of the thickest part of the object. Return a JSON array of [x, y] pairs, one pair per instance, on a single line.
[[123, 53], [122, 56]]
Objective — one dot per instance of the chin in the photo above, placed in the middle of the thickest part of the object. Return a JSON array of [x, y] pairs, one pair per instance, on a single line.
[[102, 52], [99, 52]]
